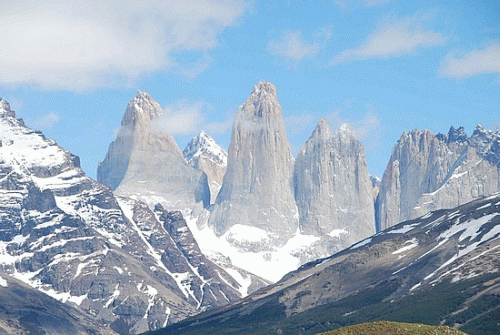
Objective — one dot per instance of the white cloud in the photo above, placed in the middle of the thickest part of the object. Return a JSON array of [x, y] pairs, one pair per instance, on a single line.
[[293, 48], [182, 118], [298, 124], [473, 63], [186, 118], [366, 3], [45, 122], [393, 39], [368, 128], [75, 45], [218, 128]]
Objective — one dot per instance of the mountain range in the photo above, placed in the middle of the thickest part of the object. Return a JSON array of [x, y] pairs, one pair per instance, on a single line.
[[441, 268], [126, 265], [165, 234]]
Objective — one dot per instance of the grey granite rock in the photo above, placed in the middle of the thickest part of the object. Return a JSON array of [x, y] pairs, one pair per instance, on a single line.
[[257, 188], [145, 162], [333, 190], [428, 172]]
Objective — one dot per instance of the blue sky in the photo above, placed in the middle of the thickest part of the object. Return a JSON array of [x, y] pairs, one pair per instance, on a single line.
[[384, 66]]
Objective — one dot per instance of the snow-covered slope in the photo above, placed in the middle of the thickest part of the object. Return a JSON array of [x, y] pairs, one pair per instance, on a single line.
[[69, 237], [440, 268]]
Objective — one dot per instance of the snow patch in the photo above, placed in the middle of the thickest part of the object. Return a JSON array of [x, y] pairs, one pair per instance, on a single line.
[[360, 244], [408, 246], [3, 282], [337, 232]]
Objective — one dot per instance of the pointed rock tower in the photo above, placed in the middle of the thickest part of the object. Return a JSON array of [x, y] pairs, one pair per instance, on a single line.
[[257, 188], [204, 154], [333, 190], [146, 162]]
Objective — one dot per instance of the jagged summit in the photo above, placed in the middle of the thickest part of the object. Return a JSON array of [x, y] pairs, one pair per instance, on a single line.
[[204, 154], [141, 109], [333, 190], [5, 109], [261, 105], [204, 143], [457, 135], [263, 89], [429, 172], [322, 130]]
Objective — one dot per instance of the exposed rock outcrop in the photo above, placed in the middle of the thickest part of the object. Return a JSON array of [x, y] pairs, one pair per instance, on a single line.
[[257, 188], [145, 162], [428, 172], [204, 154], [333, 190]]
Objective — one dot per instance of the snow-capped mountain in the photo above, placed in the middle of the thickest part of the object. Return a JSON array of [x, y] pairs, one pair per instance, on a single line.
[[204, 154], [441, 268], [66, 235], [428, 172], [145, 162], [255, 224]]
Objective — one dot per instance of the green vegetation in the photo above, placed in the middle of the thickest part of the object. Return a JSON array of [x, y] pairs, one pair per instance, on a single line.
[[434, 306], [394, 328]]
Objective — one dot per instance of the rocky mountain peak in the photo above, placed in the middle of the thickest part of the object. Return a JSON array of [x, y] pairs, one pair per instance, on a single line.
[[333, 190], [205, 144], [257, 188], [429, 172], [457, 135], [5, 109], [141, 109], [345, 133], [261, 105], [264, 89], [204, 154], [145, 161], [322, 130]]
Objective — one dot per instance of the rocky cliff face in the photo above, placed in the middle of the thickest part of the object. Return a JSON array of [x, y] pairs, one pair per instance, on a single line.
[[146, 162], [333, 190], [25, 310], [428, 172], [257, 188], [204, 154], [68, 236]]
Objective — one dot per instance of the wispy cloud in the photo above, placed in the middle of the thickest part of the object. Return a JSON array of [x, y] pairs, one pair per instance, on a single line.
[[473, 63], [393, 38], [188, 118], [368, 127], [44, 122], [299, 124], [294, 48], [74, 45], [182, 118], [344, 4]]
